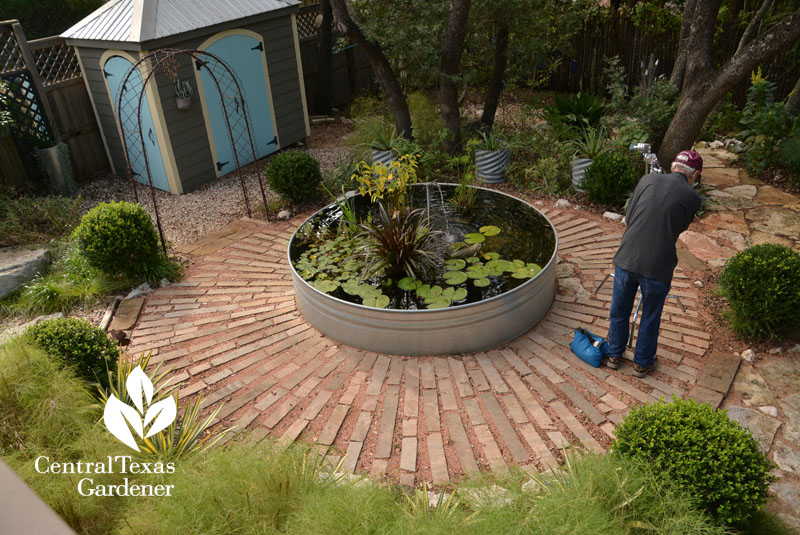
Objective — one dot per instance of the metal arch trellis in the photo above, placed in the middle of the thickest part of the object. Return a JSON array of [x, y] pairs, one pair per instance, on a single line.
[[129, 110]]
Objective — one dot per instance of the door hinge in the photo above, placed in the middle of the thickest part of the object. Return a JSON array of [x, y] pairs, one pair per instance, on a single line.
[[274, 141], [106, 73], [259, 46], [198, 64], [220, 165]]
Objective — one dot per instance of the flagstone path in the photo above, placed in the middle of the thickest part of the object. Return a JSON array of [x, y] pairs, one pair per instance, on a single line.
[[233, 334]]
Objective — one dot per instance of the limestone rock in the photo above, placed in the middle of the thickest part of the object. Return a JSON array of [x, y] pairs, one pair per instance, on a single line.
[[284, 214], [787, 459], [704, 247], [562, 203], [698, 284], [719, 176], [738, 241], [747, 191], [733, 221], [142, 289], [18, 265], [565, 270], [776, 351], [762, 426], [769, 410], [491, 497], [716, 145], [791, 430], [775, 220], [573, 286], [788, 492], [612, 216], [19, 329], [163, 283], [770, 195], [795, 349], [749, 355], [782, 374], [751, 386]]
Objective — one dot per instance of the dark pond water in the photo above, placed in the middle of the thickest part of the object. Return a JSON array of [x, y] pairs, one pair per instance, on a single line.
[[525, 234]]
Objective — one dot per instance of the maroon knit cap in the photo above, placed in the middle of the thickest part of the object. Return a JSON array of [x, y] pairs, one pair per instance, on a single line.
[[690, 158]]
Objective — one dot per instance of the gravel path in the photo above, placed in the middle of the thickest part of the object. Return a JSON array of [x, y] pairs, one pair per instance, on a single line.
[[186, 218]]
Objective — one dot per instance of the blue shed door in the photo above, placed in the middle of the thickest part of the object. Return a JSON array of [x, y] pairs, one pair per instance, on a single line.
[[115, 70], [244, 55]]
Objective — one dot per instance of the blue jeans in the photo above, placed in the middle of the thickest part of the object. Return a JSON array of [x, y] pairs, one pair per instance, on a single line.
[[654, 293]]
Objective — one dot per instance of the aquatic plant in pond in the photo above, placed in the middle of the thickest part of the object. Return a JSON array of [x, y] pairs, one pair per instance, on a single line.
[[467, 257]]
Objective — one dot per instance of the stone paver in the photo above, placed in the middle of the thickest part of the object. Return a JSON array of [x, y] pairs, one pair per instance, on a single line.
[[234, 335]]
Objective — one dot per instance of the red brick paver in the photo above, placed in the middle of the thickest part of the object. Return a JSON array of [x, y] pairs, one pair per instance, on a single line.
[[232, 333]]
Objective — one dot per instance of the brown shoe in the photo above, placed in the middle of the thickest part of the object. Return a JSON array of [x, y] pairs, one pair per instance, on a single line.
[[641, 371], [613, 362]]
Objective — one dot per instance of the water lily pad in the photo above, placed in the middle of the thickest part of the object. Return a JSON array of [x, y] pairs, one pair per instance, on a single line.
[[365, 290], [378, 301], [535, 268], [350, 287], [479, 272], [474, 237], [435, 291], [481, 283], [489, 230], [473, 259], [457, 245], [325, 286], [439, 302], [491, 255], [455, 264], [522, 273], [455, 277], [423, 291], [458, 294], [408, 283], [519, 262]]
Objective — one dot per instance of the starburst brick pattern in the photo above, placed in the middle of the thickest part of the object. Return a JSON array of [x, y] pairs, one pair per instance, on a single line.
[[233, 334]]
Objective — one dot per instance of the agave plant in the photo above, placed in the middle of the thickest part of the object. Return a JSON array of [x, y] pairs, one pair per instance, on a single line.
[[400, 243], [579, 110]]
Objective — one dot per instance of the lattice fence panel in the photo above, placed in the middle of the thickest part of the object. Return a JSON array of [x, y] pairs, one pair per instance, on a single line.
[[10, 55], [306, 23], [57, 63], [25, 108]]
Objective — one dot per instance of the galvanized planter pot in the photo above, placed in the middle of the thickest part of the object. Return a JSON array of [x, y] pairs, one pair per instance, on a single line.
[[490, 165], [460, 329], [383, 156], [579, 167]]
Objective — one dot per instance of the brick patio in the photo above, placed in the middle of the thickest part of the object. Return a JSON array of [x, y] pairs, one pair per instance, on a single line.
[[233, 334]]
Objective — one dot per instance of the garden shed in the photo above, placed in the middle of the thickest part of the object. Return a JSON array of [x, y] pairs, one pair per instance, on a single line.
[[187, 147]]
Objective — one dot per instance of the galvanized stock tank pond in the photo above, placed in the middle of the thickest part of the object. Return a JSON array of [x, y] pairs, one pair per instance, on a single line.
[[496, 280]]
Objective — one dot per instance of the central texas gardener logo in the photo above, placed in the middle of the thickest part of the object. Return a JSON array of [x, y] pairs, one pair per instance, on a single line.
[[120, 417]]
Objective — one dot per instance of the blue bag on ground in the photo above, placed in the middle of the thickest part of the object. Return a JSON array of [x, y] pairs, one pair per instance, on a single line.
[[589, 347]]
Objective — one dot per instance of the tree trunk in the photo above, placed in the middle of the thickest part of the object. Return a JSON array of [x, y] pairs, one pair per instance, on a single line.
[[752, 28], [496, 81], [323, 97], [793, 102], [679, 68], [380, 67], [455, 33], [704, 87]]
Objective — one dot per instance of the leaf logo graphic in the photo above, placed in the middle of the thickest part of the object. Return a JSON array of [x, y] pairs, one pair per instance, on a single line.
[[120, 417]]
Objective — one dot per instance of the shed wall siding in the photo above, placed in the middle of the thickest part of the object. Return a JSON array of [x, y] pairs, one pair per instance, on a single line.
[[187, 129], [105, 110]]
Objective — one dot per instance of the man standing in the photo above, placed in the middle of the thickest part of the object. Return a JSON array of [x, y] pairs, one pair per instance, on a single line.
[[661, 207]]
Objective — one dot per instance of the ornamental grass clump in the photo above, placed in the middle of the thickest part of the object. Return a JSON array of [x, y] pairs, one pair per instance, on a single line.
[[711, 457], [119, 239], [762, 285]]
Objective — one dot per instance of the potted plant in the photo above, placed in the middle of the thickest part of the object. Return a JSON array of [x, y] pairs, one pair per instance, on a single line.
[[587, 148], [384, 144], [183, 94], [492, 156]]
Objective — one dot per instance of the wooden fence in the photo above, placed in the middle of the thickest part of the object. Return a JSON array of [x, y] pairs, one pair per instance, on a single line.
[[47, 96], [350, 71]]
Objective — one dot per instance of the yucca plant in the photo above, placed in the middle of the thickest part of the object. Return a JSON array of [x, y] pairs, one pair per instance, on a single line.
[[400, 243], [591, 144], [118, 377], [184, 438]]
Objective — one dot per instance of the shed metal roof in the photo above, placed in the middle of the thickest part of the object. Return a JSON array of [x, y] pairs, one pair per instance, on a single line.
[[137, 21]]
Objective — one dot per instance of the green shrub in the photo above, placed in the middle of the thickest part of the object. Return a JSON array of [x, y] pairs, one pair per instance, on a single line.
[[611, 178], [762, 285], [28, 220], [655, 111], [789, 154], [77, 343], [118, 238], [294, 176], [577, 111], [710, 456], [765, 123]]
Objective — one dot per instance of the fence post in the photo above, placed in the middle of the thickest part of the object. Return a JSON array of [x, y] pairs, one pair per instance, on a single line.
[[30, 64]]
